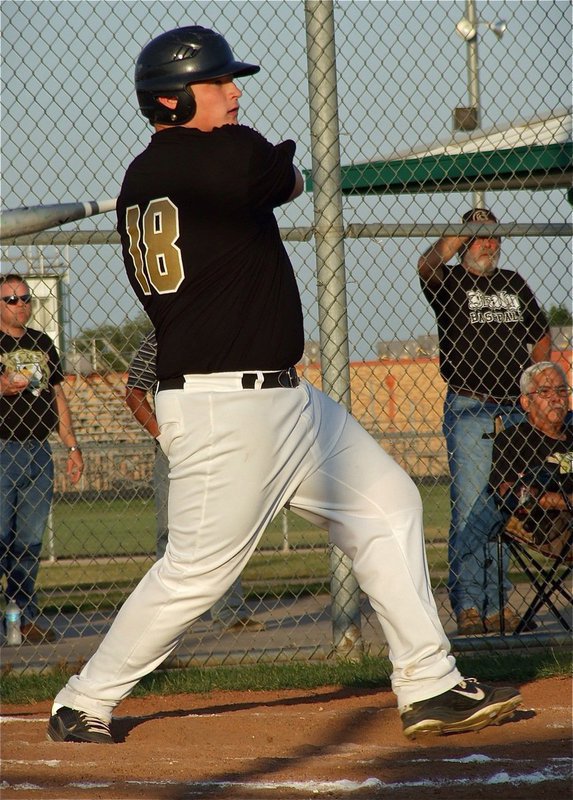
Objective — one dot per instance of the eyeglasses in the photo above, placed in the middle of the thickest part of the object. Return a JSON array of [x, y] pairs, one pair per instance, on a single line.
[[12, 299], [545, 392]]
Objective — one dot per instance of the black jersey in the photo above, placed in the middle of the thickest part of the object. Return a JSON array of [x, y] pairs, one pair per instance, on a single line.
[[485, 324], [203, 252], [30, 414], [523, 447]]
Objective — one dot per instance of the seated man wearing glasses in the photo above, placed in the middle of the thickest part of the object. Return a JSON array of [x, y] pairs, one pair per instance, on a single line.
[[532, 480], [32, 405], [536, 458]]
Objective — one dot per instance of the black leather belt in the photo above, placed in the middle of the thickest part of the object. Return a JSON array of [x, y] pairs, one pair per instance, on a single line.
[[282, 379], [485, 398]]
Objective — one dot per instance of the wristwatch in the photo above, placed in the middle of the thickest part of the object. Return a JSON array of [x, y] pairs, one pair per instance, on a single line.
[[73, 448]]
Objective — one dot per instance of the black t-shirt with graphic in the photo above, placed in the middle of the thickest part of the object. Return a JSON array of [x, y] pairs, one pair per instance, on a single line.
[[523, 448], [545, 465], [30, 414], [203, 252], [485, 324]]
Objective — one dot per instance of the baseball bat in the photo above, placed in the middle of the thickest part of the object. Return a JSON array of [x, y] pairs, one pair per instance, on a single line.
[[31, 219]]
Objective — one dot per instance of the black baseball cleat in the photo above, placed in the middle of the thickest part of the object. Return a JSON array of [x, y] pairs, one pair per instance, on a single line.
[[69, 725], [469, 706]]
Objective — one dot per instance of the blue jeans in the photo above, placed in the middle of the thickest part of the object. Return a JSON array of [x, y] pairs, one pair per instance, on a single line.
[[26, 490], [466, 421], [478, 578], [231, 607]]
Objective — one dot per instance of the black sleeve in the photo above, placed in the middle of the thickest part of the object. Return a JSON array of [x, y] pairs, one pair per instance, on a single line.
[[502, 462], [271, 175], [439, 292], [56, 371], [534, 317]]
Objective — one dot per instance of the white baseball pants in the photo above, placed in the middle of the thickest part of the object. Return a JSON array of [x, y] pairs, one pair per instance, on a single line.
[[236, 458]]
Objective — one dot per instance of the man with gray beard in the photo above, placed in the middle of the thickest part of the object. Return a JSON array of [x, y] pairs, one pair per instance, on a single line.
[[490, 329]]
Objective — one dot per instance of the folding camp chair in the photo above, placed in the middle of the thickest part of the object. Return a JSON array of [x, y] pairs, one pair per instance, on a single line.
[[545, 556]]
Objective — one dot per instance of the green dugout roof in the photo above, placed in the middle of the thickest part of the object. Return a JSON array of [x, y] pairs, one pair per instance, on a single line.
[[536, 155]]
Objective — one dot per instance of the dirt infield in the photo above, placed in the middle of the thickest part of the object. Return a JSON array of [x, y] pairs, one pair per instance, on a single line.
[[328, 742]]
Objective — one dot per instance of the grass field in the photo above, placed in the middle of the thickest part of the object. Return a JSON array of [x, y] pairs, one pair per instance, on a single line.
[[127, 527], [368, 672], [292, 555]]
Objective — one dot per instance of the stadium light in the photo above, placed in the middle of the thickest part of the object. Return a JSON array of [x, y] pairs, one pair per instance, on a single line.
[[469, 118], [468, 31]]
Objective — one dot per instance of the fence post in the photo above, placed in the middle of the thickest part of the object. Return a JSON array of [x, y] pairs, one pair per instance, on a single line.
[[331, 279]]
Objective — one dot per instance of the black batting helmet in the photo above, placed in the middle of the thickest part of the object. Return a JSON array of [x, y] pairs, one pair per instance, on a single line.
[[172, 61]]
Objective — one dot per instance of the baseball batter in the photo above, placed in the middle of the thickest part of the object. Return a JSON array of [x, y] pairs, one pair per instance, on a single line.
[[243, 435]]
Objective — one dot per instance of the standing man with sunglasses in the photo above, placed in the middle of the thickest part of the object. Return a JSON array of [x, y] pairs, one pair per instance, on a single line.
[[32, 405], [490, 328]]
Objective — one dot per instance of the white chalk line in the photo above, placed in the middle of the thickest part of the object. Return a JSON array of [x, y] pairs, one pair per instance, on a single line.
[[558, 769]]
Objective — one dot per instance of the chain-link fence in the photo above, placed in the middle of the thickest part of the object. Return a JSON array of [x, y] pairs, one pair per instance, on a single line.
[[406, 115]]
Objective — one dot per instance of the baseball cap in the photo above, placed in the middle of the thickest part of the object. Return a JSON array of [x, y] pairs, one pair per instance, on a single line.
[[479, 215], [476, 215]]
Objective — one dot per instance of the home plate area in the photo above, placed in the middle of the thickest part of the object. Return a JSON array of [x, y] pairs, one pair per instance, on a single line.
[[329, 742]]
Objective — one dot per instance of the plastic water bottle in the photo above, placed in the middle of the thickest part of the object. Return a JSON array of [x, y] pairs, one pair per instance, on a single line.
[[13, 617]]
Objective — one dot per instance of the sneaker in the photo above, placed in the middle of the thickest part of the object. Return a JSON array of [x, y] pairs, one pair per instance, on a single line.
[[469, 622], [35, 634], [69, 725], [469, 706]]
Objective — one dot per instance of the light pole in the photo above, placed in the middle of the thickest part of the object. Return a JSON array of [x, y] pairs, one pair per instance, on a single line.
[[469, 118]]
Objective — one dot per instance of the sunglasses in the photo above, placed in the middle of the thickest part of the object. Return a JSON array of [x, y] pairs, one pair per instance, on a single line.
[[13, 299]]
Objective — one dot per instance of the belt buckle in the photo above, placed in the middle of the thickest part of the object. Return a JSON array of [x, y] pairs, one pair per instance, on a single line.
[[288, 378]]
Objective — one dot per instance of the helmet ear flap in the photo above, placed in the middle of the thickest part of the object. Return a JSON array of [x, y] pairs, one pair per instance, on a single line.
[[185, 109], [160, 114], [190, 104]]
